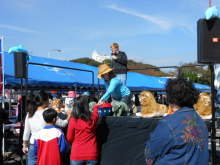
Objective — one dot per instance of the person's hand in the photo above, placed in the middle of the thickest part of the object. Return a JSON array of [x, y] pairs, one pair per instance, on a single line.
[[114, 57], [69, 113], [25, 149], [25, 146], [100, 102]]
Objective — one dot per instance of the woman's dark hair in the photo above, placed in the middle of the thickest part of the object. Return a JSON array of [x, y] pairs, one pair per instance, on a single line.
[[49, 115], [181, 92], [110, 75], [34, 101], [81, 108]]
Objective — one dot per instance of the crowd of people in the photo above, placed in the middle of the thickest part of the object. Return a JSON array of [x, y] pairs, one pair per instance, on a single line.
[[186, 140], [179, 138], [44, 140]]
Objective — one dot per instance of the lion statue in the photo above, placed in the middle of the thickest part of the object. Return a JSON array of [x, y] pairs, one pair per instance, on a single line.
[[149, 106], [204, 106], [57, 105]]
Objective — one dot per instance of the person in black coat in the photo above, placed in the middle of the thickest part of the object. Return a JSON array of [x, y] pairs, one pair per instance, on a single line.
[[119, 62]]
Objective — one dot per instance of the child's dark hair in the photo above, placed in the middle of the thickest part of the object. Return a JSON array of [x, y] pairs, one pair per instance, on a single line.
[[49, 115], [81, 108], [34, 101]]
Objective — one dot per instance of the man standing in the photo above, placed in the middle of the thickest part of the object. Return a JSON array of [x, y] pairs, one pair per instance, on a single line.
[[119, 62]]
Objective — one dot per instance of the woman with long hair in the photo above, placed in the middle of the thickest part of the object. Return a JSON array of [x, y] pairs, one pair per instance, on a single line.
[[36, 105], [34, 121], [81, 133]]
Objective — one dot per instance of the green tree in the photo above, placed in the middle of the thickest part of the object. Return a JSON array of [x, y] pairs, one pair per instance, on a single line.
[[107, 61], [131, 65], [197, 74], [87, 61]]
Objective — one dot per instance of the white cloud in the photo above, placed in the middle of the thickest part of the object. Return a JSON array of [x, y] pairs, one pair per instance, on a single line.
[[19, 29], [164, 23]]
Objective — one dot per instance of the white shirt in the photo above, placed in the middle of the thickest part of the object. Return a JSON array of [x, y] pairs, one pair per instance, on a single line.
[[33, 125]]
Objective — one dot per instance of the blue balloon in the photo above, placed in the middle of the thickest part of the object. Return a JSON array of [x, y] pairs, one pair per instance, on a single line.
[[211, 12]]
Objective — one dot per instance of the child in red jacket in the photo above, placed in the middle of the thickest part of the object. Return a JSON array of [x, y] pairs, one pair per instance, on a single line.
[[81, 133], [49, 142]]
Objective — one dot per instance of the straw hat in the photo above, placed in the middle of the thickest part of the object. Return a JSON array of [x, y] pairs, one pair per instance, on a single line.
[[103, 69]]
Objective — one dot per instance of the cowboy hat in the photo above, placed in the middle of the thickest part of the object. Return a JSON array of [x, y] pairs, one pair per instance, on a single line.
[[103, 69]]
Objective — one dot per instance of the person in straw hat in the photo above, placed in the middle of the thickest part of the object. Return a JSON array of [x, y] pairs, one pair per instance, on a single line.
[[114, 85]]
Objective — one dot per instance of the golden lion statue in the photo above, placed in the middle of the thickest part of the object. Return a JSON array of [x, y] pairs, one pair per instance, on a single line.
[[204, 106], [149, 106], [57, 105]]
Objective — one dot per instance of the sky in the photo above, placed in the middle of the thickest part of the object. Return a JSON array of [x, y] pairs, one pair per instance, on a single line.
[[156, 32]]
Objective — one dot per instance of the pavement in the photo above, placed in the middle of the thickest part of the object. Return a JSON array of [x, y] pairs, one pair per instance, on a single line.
[[13, 158]]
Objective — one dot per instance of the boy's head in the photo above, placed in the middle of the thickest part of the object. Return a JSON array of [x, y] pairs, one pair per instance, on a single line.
[[115, 48], [50, 115]]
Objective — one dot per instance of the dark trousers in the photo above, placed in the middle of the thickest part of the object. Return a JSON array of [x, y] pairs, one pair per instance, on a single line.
[[125, 99]]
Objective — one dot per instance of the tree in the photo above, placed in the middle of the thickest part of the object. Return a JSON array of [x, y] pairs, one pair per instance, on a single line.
[[87, 61], [197, 74], [131, 65], [107, 61]]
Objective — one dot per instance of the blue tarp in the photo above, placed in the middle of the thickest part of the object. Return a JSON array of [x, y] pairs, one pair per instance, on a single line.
[[137, 81], [202, 87], [53, 76]]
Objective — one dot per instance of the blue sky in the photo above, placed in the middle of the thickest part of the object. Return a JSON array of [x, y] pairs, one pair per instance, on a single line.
[[157, 32]]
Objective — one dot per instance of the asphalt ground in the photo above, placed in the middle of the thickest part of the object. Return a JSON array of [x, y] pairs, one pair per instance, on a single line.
[[13, 158]]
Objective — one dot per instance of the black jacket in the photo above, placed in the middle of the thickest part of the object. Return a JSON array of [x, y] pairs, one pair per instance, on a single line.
[[120, 64]]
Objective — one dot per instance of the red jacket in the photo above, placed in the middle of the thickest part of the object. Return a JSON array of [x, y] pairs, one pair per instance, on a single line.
[[82, 135]]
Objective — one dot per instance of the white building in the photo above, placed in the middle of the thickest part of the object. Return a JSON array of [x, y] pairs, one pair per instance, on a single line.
[[99, 57]]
